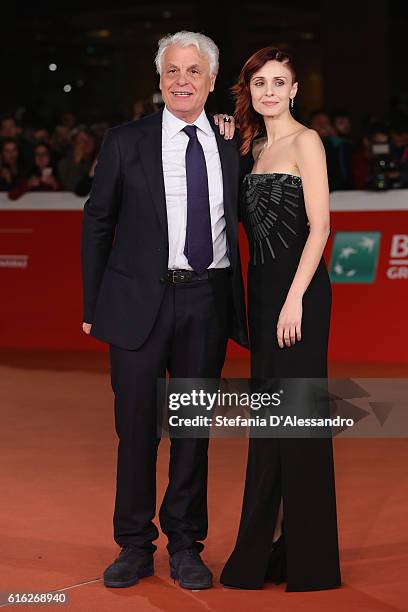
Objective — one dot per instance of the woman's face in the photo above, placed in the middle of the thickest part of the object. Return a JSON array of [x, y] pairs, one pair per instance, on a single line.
[[271, 89], [41, 157]]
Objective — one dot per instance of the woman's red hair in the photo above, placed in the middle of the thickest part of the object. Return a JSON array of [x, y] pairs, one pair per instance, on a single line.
[[250, 122]]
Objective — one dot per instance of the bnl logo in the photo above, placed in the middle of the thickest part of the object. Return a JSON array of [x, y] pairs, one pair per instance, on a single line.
[[398, 263], [354, 257]]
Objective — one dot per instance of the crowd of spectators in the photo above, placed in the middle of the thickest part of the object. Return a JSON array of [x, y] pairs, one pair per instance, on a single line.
[[40, 159], [378, 160], [36, 158]]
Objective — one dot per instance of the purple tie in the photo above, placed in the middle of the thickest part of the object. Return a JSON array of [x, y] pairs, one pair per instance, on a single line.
[[199, 247]]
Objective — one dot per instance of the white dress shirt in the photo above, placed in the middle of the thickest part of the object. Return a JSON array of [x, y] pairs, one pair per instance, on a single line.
[[174, 145]]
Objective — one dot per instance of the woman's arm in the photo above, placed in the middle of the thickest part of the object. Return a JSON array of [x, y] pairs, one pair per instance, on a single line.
[[311, 161]]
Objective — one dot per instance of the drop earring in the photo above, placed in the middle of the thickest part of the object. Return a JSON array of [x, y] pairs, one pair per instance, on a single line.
[[292, 103]]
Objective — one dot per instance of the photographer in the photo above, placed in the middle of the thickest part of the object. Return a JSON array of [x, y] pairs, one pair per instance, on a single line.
[[376, 166]]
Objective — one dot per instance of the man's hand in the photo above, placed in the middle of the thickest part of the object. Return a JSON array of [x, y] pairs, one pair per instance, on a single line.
[[86, 328]]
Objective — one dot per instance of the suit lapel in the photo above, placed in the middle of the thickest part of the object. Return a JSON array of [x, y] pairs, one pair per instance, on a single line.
[[151, 157]]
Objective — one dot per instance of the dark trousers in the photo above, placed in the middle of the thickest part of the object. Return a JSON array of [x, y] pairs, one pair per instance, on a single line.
[[188, 340]]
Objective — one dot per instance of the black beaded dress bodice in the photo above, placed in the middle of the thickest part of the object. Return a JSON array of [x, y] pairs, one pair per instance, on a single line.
[[274, 215]]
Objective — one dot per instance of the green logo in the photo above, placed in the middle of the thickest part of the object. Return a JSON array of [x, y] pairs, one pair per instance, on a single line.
[[354, 257]]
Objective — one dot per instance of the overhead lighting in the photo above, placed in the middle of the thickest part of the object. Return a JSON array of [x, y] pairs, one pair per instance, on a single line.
[[67, 88], [52, 67]]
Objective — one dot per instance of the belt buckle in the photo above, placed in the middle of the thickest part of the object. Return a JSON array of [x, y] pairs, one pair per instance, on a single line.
[[180, 276]]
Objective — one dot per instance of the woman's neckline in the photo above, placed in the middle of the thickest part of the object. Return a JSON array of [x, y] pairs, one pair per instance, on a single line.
[[273, 173]]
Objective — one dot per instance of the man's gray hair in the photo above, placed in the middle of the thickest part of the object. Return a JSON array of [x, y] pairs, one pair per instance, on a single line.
[[204, 44]]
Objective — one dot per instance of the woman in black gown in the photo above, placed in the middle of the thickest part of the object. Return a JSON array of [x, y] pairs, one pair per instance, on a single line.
[[288, 527]]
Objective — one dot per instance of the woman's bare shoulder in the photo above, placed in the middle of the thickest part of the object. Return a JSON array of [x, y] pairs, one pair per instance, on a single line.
[[307, 137]]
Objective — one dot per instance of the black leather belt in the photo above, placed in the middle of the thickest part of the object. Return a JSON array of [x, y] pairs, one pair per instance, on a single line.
[[189, 276]]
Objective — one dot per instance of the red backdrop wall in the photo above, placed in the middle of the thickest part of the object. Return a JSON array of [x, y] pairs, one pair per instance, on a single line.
[[41, 304]]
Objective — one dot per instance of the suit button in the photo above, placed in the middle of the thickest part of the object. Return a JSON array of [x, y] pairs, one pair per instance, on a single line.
[[162, 279]]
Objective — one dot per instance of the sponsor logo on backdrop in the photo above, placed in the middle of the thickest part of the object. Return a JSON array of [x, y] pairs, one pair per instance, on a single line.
[[398, 262], [354, 257], [13, 261]]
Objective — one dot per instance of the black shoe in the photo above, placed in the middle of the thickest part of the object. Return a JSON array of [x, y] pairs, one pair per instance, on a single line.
[[187, 567], [131, 564], [276, 571]]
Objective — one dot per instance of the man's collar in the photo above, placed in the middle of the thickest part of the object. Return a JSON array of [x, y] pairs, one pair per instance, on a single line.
[[173, 125]]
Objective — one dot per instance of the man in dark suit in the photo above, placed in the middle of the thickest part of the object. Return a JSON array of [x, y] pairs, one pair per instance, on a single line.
[[163, 286]]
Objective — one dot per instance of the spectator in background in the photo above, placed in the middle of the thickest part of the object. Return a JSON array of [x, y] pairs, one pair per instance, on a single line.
[[98, 130], [40, 135], [363, 157], [321, 122], [61, 142], [382, 159], [360, 163], [399, 143], [42, 177], [342, 151], [68, 119], [339, 167], [342, 125], [77, 164], [83, 188], [11, 170], [10, 130], [84, 185], [143, 108], [399, 155]]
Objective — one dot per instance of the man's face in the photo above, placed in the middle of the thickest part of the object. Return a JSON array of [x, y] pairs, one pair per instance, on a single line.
[[10, 153], [9, 129], [41, 135], [185, 81]]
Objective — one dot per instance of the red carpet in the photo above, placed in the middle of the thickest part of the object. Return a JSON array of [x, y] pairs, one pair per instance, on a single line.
[[58, 451]]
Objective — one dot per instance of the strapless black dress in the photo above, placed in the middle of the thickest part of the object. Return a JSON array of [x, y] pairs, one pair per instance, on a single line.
[[299, 470]]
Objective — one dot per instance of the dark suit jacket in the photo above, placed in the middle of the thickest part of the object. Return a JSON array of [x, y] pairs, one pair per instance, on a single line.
[[124, 247]]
